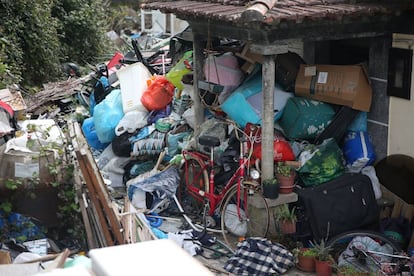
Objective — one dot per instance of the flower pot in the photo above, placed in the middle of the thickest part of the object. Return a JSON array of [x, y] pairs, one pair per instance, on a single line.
[[288, 226], [323, 268], [306, 263], [287, 183], [271, 189]]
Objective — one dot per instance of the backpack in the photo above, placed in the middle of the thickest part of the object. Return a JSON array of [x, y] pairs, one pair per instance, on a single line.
[[8, 122]]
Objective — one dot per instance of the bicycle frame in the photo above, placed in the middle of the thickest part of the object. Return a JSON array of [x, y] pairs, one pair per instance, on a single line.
[[207, 164]]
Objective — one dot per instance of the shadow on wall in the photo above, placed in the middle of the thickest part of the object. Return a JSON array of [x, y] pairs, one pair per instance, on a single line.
[[396, 173]]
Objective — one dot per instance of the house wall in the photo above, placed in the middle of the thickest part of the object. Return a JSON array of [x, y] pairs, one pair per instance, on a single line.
[[157, 22], [401, 130], [378, 125]]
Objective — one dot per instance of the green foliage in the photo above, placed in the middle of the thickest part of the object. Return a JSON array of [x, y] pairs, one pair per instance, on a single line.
[[82, 28], [36, 36], [284, 213], [323, 251], [6, 207], [122, 17], [61, 171], [283, 169], [9, 61], [309, 252], [33, 31], [272, 181], [349, 270]]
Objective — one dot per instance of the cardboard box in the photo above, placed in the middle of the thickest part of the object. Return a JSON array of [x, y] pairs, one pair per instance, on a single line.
[[16, 101], [337, 84]]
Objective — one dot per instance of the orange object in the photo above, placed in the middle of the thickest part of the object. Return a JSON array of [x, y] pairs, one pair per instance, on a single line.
[[158, 94]]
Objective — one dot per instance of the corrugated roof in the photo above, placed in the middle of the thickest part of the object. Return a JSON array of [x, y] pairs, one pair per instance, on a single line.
[[291, 11]]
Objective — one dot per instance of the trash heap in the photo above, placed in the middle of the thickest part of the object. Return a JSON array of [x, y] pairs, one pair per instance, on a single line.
[[320, 115], [139, 121]]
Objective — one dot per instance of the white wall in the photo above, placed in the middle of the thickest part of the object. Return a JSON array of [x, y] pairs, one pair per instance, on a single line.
[[401, 113], [159, 22]]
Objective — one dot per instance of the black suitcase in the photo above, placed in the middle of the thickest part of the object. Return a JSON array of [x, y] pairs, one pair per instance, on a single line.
[[343, 204]]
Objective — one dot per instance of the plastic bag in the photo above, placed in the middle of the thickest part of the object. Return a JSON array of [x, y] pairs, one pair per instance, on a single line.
[[282, 150], [131, 121], [158, 94], [190, 117], [365, 243], [107, 115], [152, 144], [175, 139], [321, 163], [358, 150], [179, 70], [370, 172], [89, 131]]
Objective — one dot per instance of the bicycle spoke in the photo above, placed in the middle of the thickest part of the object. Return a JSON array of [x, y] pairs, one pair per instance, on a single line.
[[366, 251], [241, 219]]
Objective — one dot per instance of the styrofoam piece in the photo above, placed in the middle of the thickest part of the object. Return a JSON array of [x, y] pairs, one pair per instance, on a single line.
[[156, 257]]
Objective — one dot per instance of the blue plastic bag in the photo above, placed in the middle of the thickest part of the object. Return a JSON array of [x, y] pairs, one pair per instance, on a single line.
[[358, 150], [89, 131], [107, 115], [248, 97]]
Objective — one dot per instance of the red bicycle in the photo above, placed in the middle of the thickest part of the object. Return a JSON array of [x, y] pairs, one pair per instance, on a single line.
[[242, 209]]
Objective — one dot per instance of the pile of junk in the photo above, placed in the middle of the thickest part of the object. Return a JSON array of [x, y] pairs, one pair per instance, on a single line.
[[137, 113]]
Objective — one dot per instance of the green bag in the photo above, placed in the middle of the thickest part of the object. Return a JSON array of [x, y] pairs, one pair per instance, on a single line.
[[321, 163]]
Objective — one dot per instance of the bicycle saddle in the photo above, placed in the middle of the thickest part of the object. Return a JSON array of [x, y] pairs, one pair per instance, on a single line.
[[209, 141]]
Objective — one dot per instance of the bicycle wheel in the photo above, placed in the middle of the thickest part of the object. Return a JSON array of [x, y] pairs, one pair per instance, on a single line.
[[193, 177], [251, 219], [365, 251]]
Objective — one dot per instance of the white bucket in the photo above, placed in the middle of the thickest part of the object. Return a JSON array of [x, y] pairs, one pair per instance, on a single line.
[[133, 82]]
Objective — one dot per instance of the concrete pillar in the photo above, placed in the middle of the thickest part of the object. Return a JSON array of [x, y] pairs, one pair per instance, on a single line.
[[268, 85], [198, 62]]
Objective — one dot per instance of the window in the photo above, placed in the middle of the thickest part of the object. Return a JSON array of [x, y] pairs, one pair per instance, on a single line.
[[399, 73]]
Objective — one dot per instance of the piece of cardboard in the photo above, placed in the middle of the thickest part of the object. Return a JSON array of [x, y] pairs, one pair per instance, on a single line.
[[5, 257], [15, 100], [337, 84]]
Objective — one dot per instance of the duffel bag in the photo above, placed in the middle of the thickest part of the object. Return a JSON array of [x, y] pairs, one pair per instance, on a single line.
[[343, 204]]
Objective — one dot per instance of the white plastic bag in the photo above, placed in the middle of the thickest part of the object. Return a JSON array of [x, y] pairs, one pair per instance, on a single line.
[[131, 121], [370, 172]]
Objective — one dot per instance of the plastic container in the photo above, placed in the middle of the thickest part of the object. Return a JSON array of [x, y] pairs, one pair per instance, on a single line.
[[133, 83]]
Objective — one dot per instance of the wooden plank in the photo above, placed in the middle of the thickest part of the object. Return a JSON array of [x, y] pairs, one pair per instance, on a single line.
[[88, 180], [99, 187], [96, 226], [106, 204], [129, 223], [90, 239]]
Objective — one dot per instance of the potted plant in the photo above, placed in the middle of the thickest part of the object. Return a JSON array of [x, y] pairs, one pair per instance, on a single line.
[[306, 259], [323, 258], [270, 188], [286, 219], [285, 175]]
